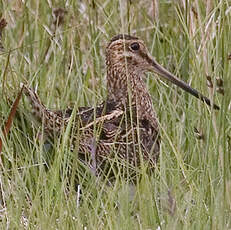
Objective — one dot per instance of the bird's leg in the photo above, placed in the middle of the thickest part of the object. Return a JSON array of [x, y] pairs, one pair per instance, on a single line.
[[93, 156]]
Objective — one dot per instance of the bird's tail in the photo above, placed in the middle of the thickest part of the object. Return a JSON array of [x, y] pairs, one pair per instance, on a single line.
[[51, 120]]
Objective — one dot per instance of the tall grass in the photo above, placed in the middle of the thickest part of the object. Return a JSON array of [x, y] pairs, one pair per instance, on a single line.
[[191, 185]]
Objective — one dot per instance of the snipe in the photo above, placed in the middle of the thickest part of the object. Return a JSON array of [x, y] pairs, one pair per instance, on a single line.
[[125, 124]]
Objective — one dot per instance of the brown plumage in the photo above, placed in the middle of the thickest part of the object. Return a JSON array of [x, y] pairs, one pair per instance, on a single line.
[[125, 125]]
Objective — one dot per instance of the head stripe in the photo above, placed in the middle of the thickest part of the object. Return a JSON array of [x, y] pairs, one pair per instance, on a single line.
[[123, 36]]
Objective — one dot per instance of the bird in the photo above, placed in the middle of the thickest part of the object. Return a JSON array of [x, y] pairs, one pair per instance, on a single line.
[[125, 124]]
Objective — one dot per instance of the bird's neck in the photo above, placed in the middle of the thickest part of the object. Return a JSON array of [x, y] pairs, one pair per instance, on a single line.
[[128, 88]]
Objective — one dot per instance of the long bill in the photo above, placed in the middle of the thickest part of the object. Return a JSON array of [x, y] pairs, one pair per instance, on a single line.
[[157, 68]]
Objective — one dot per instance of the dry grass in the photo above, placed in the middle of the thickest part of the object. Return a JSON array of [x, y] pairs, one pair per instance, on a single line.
[[58, 47]]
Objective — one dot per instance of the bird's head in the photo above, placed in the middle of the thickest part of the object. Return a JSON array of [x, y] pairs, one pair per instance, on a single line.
[[129, 52], [126, 54]]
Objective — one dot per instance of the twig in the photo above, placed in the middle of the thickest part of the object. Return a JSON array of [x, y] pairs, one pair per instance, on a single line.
[[8, 124]]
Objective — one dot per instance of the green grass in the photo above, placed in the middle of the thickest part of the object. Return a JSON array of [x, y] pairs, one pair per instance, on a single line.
[[191, 186]]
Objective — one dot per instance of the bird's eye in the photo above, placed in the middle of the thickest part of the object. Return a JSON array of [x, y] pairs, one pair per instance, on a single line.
[[135, 46]]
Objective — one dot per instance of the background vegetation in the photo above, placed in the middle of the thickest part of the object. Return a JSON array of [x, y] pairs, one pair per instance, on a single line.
[[58, 48]]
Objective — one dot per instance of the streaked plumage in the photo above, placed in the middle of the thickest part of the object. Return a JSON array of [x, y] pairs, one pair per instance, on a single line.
[[125, 124]]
